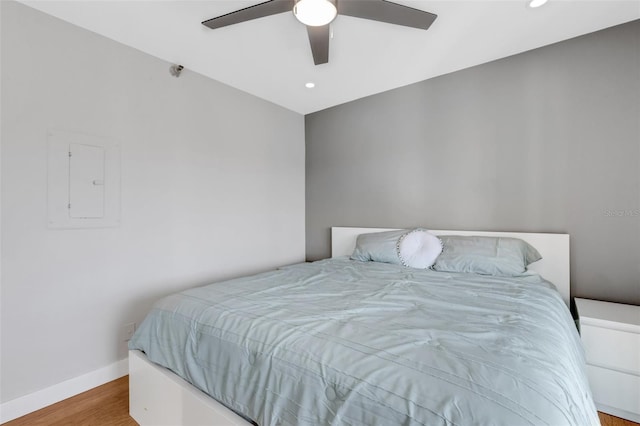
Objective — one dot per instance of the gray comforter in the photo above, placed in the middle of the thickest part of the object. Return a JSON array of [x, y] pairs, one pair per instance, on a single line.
[[343, 342]]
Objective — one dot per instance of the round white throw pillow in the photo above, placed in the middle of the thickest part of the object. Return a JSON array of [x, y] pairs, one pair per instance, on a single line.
[[419, 249]]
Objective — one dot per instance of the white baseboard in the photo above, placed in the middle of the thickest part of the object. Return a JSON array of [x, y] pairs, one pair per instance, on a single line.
[[624, 414], [34, 401]]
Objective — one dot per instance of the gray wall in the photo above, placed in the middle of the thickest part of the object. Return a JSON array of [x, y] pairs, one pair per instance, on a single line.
[[544, 141], [205, 196]]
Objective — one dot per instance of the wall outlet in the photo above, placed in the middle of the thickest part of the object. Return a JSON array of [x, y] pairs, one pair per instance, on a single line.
[[128, 330]]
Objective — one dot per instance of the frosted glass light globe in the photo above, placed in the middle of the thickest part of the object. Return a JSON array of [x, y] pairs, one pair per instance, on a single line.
[[315, 13]]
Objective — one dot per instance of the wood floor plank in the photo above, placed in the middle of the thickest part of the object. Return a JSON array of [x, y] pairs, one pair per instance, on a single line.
[[108, 405], [608, 420], [105, 405]]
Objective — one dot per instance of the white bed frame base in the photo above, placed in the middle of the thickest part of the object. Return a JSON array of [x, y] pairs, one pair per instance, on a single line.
[[158, 397]]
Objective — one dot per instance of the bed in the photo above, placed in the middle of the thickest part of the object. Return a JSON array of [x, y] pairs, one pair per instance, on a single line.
[[346, 342]]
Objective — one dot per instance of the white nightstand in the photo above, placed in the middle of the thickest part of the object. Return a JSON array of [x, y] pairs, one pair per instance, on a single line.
[[611, 337]]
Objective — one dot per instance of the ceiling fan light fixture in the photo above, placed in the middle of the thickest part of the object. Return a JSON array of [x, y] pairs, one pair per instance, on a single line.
[[315, 13], [536, 3]]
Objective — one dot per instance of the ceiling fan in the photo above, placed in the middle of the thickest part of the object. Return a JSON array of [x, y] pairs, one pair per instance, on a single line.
[[318, 14]]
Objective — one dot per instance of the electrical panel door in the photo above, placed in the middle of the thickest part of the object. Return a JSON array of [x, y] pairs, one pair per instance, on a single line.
[[86, 181]]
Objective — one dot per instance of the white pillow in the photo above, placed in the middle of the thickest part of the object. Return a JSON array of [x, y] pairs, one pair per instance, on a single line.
[[419, 249]]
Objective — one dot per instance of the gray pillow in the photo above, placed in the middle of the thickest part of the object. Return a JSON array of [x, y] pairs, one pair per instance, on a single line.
[[378, 247], [497, 256]]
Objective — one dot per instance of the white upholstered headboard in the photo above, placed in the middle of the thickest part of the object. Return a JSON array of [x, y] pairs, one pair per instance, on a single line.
[[554, 248]]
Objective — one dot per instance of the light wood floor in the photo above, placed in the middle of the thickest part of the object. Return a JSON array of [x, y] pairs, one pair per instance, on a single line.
[[105, 405], [108, 405], [608, 420]]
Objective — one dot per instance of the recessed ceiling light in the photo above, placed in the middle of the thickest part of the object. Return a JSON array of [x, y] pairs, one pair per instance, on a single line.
[[310, 85], [536, 3]]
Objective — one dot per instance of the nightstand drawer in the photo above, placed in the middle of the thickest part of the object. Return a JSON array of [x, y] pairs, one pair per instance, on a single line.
[[619, 350], [614, 389]]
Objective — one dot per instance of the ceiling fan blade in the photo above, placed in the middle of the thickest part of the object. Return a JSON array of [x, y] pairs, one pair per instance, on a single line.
[[319, 39], [268, 8], [386, 11]]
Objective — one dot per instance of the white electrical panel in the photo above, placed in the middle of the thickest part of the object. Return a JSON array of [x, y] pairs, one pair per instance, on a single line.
[[83, 181], [86, 181]]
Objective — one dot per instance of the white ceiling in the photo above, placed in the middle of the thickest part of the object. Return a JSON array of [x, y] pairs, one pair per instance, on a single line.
[[270, 57]]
